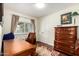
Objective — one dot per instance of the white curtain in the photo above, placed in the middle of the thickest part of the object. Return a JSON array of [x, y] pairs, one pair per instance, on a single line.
[[33, 22], [14, 22]]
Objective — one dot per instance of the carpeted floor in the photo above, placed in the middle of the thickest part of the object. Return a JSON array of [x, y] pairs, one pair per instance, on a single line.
[[47, 50]]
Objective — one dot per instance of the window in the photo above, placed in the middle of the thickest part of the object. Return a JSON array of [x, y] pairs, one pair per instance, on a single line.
[[23, 27], [20, 28]]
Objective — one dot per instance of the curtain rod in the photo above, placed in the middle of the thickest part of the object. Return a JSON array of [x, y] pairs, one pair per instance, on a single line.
[[23, 16]]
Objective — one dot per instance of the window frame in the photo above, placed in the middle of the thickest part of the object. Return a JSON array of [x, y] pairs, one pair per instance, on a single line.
[[24, 28]]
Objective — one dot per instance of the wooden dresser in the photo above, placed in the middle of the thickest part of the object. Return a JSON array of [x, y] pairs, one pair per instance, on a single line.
[[65, 39]]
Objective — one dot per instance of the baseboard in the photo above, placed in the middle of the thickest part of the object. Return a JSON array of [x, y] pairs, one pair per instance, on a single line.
[[50, 47]]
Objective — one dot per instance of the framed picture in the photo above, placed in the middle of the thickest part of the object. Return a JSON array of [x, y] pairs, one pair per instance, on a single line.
[[66, 18]]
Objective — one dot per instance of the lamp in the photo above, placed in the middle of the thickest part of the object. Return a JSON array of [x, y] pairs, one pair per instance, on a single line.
[[75, 14]]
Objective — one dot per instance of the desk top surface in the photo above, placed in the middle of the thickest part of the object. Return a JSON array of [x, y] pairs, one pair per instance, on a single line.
[[12, 47]]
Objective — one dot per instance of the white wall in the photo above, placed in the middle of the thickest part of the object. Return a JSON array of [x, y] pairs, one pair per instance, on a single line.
[[47, 24], [8, 17]]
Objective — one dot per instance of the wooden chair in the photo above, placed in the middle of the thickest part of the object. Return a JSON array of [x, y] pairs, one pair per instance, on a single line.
[[31, 38]]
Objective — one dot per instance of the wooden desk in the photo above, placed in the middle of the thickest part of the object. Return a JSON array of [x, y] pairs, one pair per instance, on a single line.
[[18, 48]]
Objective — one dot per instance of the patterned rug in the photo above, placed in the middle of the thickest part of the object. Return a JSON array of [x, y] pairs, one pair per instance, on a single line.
[[43, 51]]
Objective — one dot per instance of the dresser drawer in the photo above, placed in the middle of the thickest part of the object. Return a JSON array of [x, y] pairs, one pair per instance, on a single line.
[[65, 36], [69, 42], [65, 32], [64, 48], [66, 39], [66, 45], [71, 29], [65, 51]]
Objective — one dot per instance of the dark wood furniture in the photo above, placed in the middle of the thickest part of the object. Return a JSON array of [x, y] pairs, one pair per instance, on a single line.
[[65, 39], [18, 48], [1, 14], [31, 38], [77, 48], [1, 11]]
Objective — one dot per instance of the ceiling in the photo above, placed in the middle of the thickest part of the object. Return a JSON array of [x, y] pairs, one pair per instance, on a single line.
[[31, 10]]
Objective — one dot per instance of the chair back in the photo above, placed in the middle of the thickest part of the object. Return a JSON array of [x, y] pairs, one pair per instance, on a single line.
[[8, 36], [31, 38]]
